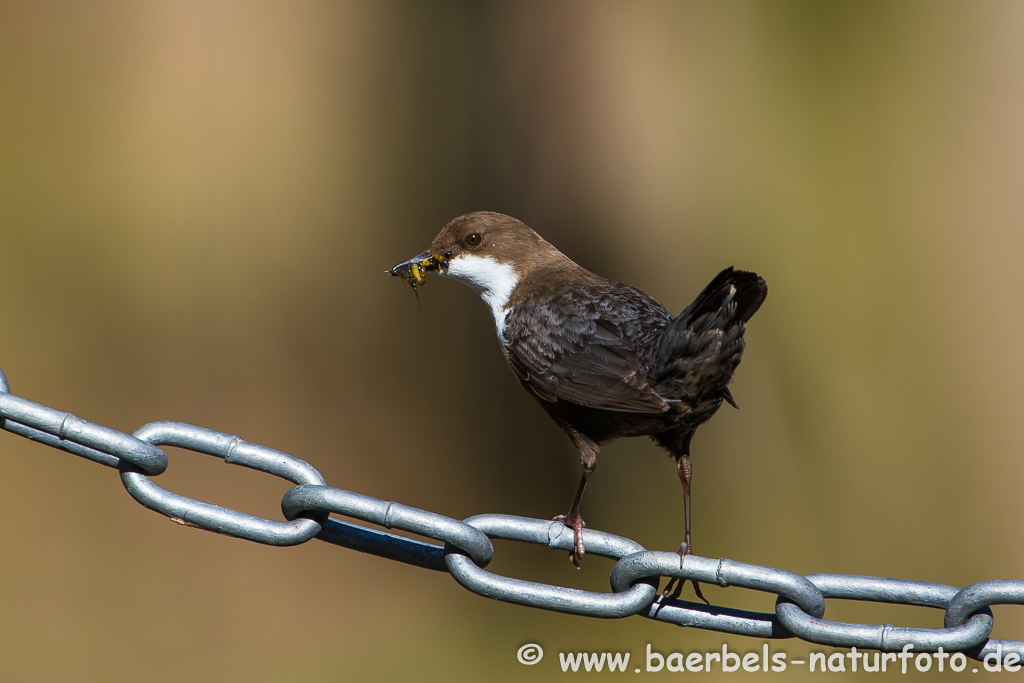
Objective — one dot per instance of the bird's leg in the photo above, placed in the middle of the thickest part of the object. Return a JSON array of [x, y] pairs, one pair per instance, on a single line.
[[572, 519], [685, 470]]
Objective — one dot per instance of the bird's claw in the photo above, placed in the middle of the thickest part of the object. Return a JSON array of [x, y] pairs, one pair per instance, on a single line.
[[674, 588], [576, 523]]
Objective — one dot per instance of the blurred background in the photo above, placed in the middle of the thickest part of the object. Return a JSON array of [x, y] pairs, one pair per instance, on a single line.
[[197, 204]]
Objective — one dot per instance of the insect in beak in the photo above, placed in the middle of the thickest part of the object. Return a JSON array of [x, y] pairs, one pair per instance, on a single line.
[[414, 271]]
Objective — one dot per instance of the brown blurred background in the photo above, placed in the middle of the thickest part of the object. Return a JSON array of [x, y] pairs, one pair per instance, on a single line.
[[197, 204]]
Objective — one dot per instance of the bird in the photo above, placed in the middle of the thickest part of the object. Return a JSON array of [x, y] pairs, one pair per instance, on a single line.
[[605, 360]]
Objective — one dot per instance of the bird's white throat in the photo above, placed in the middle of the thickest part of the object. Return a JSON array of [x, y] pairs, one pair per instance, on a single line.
[[492, 280]]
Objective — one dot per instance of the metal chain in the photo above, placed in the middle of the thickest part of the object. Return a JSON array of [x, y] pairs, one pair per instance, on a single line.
[[467, 549]]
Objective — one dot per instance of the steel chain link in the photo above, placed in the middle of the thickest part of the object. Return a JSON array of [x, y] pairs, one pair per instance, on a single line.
[[467, 549]]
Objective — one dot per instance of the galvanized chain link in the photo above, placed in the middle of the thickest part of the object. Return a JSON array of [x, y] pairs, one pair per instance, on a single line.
[[467, 549]]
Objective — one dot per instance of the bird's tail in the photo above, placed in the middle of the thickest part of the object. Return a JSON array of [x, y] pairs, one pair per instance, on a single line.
[[700, 349]]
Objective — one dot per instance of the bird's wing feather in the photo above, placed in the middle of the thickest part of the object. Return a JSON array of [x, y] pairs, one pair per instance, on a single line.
[[585, 360]]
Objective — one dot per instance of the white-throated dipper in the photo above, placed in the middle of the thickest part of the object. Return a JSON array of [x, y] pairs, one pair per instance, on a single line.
[[604, 359]]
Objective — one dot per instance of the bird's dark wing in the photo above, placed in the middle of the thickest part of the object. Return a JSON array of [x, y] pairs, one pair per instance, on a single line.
[[578, 352]]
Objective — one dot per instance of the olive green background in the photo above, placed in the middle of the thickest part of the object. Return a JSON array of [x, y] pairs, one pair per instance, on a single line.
[[197, 204]]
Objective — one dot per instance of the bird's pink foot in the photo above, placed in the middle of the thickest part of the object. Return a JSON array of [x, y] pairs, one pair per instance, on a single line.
[[576, 523]]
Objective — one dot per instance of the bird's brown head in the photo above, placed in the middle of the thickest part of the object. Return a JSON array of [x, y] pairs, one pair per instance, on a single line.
[[488, 251]]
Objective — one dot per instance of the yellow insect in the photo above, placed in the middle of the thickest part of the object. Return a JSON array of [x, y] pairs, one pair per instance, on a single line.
[[415, 271]]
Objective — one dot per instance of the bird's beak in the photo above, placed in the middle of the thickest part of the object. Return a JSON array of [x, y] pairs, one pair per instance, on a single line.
[[414, 271]]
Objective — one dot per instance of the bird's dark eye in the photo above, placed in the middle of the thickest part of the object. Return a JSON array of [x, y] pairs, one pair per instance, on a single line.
[[474, 239]]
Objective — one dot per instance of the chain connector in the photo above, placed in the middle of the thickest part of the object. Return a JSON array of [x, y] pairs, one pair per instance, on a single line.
[[978, 597], [721, 572], [884, 637], [390, 515], [213, 517], [77, 436], [555, 535]]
